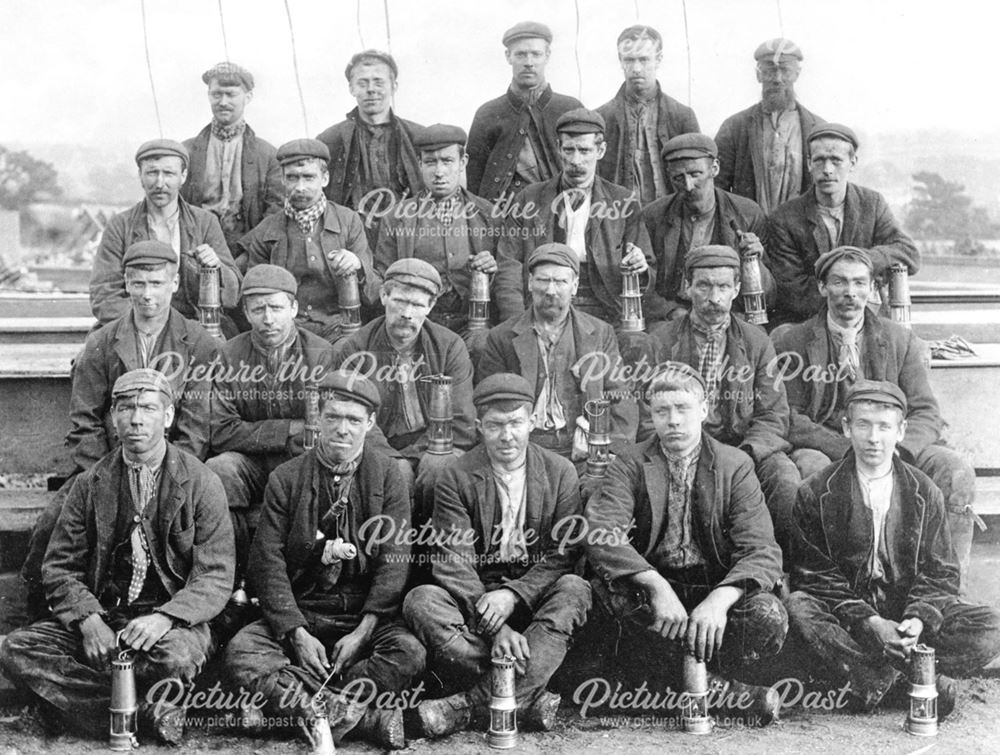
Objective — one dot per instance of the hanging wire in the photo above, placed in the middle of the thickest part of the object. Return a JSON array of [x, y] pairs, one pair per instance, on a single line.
[[636, 10], [781, 21], [576, 53], [149, 68], [222, 23], [388, 33], [295, 65], [687, 44], [357, 16]]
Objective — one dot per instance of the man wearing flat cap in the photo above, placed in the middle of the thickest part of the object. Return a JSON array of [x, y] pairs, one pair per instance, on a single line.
[[844, 343], [873, 567], [398, 352], [569, 357], [834, 212], [763, 154], [513, 142], [686, 562], [193, 234], [151, 334], [747, 408], [373, 162], [232, 173], [696, 213], [445, 225], [322, 243], [641, 118], [141, 558], [330, 562], [508, 590], [600, 221], [259, 396]]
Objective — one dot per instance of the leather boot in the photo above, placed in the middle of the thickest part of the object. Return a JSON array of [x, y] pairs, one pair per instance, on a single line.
[[444, 716], [381, 727], [753, 704], [947, 689], [541, 714], [166, 721]]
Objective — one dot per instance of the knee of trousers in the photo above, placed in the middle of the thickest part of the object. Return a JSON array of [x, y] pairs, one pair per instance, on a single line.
[[227, 466], [421, 607], [767, 620], [566, 606], [805, 611], [410, 655], [253, 653]]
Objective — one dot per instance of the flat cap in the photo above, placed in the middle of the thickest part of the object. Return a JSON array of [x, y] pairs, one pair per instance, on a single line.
[[162, 148], [302, 149], [580, 121], [227, 74], [268, 279], [149, 252], [712, 255], [502, 386], [439, 136], [367, 56], [415, 272], [776, 49], [674, 372], [690, 146], [350, 386], [554, 254], [834, 131], [880, 391], [526, 29], [143, 379], [826, 260]]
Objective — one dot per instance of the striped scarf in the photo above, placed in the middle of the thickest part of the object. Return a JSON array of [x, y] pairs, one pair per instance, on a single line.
[[306, 219]]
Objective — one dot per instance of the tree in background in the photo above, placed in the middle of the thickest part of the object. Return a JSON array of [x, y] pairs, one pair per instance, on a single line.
[[942, 210], [24, 179]]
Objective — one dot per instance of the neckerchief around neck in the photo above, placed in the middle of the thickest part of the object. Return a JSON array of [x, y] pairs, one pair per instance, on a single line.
[[306, 219], [227, 133]]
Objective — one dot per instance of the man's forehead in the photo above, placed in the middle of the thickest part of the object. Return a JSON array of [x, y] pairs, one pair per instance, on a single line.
[[849, 269], [829, 145], [495, 415], [671, 396], [688, 165], [228, 85], [410, 295], [528, 44], [163, 162], [581, 141], [372, 69], [548, 270], [305, 165], [345, 407], [644, 46], [148, 276], [144, 396], [723, 273], [275, 299], [451, 150]]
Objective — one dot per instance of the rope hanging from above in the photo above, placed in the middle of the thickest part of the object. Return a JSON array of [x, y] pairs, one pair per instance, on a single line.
[[222, 23], [149, 68], [295, 65]]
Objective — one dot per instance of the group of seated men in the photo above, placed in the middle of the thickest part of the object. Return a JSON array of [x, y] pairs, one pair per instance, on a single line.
[[738, 456]]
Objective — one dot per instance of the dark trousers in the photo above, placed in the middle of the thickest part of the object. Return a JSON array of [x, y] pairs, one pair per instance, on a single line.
[[31, 572], [968, 639], [48, 659], [779, 481], [464, 657]]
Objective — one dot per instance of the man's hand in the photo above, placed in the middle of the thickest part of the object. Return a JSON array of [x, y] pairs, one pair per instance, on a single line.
[[345, 653], [883, 634], [514, 644], [206, 256], [145, 631], [98, 641], [633, 261], [310, 653], [669, 615], [750, 243], [909, 630], [484, 262], [343, 262], [707, 624], [493, 609], [296, 436]]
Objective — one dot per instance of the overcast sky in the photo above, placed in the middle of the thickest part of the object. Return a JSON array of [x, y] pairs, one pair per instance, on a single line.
[[74, 71]]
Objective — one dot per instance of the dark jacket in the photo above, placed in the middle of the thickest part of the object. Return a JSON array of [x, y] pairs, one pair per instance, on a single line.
[[260, 177], [673, 119], [730, 522], [752, 405], [797, 237], [664, 219], [286, 536], [108, 298], [252, 415], [513, 347], [339, 139], [498, 130], [615, 219], [808, 367], [185, 351], [369, 353], [465, 501], [741, 149], [190, 539], [832, 550]]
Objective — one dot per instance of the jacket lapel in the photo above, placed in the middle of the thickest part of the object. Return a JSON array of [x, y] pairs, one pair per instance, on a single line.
[[819, 234], [757, 140], [655, 475], [526, 348]]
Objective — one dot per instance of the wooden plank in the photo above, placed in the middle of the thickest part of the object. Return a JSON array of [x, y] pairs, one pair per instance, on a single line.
[[28, 360], [20, 507]]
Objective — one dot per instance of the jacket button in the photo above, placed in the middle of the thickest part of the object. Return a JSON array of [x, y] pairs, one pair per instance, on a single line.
[[509, 155], [496, 180], [521, 132]]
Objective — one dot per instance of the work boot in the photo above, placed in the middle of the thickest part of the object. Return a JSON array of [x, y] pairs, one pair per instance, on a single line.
[[444, 716], [753, 704], [541, 714], [382, 727], [167, 722], [947, 689]]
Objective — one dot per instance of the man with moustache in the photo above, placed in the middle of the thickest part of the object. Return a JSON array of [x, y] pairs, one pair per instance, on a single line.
[[874, 572], [747, 408], [373, 163], [192, 233], [511, 592], [445, 225], [599, 221], [834, 212], [821, 358], [259, 396], [685, 557], [319, 241], [568, 357], [398, 350], [141, 558], [763, 154], [233, 173], [152, 334], [641, 118], [513, 142], [330, 584]]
